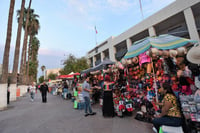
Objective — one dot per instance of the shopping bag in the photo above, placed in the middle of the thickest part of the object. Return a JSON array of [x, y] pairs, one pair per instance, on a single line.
[[160, 130], [75, 93], [75, 104]]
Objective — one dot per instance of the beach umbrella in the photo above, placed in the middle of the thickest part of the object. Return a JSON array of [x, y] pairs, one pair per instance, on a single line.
[[162, 42]]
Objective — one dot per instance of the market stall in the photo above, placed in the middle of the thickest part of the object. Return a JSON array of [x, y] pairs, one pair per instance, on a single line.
[[152, 61]]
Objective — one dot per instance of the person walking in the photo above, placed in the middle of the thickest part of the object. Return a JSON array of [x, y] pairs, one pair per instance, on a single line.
[[65, 90], [32, 90], [86, 95], [44, 89]]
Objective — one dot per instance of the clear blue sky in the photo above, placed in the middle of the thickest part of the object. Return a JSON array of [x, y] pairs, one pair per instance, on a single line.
[[67, 26]]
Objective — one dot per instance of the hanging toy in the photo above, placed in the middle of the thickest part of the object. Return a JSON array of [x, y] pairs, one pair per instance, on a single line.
[[121, 106], [129, 106]]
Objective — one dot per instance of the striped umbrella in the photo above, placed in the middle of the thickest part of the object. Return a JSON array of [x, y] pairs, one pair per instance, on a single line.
[[163, 42]]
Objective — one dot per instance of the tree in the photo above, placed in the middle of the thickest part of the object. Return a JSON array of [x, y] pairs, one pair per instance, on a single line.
[[33, 70], [24, 49], [43, 68], [52, 76], [41, 79], [17, 46], [72, 64], [33, 64], [4, 77], [33, 28]]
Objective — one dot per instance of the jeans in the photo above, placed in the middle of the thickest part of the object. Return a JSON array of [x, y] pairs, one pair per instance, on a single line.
[[32, 95], [65, 91], [168, 121], [87, 105], [44, 97]]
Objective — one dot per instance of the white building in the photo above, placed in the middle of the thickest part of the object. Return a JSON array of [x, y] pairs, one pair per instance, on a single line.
[[53, 71], [181, 18]]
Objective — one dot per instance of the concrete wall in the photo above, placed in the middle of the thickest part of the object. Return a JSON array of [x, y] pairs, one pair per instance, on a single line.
[[3, 96]]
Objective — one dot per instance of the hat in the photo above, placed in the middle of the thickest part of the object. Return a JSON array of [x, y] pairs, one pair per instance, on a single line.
[[181, 51], [154, 51], [124, 61], [166, 53], [193, 54], [173, 53]]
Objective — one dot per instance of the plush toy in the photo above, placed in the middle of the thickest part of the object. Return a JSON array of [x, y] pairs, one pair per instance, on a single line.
[[121, 106], [129, 107]]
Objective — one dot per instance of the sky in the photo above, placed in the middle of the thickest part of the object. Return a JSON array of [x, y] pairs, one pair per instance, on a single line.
[[67, 26]]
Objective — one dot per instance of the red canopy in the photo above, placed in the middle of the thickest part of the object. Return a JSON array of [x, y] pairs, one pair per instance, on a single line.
[[68, 76], [76, 74], [65, 76]]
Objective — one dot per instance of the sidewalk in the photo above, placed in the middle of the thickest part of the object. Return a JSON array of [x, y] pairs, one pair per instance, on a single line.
[[58, 116]]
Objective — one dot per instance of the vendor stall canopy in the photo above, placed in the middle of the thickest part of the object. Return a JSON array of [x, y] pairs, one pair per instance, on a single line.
[[162, 42], [100, 66], [70, 75]]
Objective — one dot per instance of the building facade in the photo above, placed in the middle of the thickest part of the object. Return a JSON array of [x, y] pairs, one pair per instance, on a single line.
[[181, 18], [53, 71]]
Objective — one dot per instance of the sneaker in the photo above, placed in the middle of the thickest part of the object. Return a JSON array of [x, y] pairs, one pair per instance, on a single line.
[[155, 130], [86, 115], [93, 113]]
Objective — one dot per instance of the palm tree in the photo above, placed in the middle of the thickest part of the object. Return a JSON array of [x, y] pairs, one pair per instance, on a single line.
[[43, 68], [24, 50], [4, 77], [17, 47], [34, 48], [32, 31], [33, 64]]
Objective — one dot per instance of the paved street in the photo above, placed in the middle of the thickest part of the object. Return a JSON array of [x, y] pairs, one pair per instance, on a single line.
[[58, 116]]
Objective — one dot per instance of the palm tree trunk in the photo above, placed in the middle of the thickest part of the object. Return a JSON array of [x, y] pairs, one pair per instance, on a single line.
[[17, 47], [29, 56], [4, 77], [23, 59]]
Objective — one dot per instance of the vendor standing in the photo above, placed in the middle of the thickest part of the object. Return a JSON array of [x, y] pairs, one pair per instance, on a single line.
[[108, 106], [170, 115]]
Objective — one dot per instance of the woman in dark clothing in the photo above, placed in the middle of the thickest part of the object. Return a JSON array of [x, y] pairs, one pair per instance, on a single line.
[[108, 106]]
